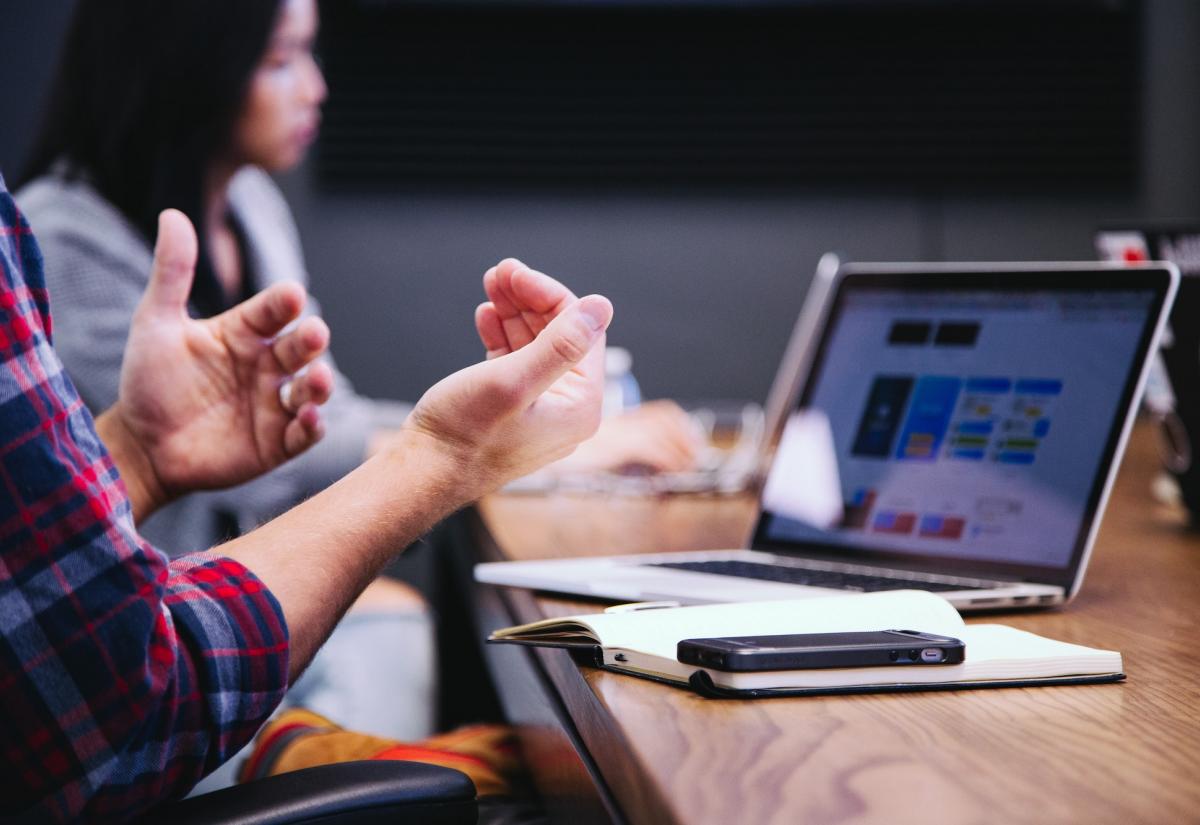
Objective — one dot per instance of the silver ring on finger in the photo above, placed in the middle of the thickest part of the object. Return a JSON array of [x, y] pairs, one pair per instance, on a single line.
[[285, 396]]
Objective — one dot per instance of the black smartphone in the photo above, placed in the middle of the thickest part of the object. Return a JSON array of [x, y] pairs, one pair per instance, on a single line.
[[799, 651]]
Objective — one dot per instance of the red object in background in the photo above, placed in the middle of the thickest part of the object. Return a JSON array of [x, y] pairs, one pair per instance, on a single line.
[[942, 527], [889, 522]]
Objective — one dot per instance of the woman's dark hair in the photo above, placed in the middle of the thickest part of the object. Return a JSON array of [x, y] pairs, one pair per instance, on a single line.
[[146, 96]]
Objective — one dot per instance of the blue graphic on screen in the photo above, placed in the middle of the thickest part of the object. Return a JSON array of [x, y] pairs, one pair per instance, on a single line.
[[1028, 420], [881, 418], [976, 420], [928, 417]]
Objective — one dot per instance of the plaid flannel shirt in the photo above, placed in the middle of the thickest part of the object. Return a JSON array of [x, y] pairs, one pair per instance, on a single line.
[[123, 678]]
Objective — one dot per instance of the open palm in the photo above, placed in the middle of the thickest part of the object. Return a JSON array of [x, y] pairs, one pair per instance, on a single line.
[[538, 394], [202, 397]]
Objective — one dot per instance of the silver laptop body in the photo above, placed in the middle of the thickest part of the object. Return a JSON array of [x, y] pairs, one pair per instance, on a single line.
[[977, 414]]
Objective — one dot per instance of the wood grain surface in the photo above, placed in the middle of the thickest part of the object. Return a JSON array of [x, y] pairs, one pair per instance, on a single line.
[[1127, 753]]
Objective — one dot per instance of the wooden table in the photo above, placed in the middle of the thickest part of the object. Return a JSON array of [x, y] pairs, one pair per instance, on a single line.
[[607, 747]]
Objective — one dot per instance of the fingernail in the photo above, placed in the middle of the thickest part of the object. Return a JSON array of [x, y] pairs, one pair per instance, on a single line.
[[596, 311]]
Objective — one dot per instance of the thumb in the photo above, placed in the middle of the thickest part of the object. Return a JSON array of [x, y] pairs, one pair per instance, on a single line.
[[564, 343], [174, 268]]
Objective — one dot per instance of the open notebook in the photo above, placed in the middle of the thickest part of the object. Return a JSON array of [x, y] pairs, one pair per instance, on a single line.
[[643, 643]]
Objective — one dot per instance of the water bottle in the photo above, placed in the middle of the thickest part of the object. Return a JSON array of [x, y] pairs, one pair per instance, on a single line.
[[621, 390]]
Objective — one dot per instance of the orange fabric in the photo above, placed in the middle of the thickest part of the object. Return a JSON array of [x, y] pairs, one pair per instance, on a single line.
[[299, 738]]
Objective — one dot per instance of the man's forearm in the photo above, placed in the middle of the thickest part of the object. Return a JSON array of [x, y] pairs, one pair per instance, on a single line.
[[319, 556]]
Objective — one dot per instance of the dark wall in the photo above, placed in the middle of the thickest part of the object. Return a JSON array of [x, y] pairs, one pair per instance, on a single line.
[[29, 34], [706, 286]]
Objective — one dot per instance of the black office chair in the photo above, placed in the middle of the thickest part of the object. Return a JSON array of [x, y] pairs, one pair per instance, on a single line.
[[358, 793]]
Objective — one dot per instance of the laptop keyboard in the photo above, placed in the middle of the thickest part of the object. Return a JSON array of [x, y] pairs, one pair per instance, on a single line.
[[815, 578]]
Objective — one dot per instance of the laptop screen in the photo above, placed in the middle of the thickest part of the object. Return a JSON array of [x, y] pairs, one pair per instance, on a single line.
[[973, 417]]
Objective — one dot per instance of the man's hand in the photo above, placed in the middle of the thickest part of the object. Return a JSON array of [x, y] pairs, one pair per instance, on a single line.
[[657, 435], [532, 401], [538, 394], [202, 402]]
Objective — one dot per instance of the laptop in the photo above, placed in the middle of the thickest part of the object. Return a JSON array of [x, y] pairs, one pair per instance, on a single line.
[[977, 414]]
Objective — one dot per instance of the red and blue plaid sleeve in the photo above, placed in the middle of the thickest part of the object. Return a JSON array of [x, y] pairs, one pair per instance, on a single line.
[[123, 678]]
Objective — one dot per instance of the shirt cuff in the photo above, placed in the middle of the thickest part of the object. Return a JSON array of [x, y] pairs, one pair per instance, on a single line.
[[238, 637]]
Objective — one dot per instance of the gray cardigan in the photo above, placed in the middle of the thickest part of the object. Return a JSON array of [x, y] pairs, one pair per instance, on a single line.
[[97, 266]]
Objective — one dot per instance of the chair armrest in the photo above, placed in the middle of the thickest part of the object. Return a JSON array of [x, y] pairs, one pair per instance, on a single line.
[[395, 792]]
